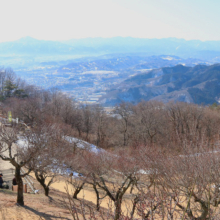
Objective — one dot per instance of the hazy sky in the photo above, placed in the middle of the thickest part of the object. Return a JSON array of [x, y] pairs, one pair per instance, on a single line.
[[66, 19]]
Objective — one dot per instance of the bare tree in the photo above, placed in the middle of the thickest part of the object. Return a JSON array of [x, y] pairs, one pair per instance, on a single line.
[[15, 149], [49, 162], [148, 122], [100, 124], [124, 110], [113, 175]]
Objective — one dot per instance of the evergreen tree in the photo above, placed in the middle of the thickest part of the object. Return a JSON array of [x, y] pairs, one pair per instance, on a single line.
[[9, 88]]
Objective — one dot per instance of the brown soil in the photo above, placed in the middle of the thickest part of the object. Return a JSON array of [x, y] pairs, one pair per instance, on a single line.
[[37, 206], [88, 194]]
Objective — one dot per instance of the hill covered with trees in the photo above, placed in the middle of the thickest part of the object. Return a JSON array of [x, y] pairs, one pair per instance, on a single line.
[[150, 157], [198, 84]]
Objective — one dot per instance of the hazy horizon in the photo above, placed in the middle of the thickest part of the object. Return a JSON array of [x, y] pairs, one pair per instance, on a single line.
[[108, 38], [71, 19]]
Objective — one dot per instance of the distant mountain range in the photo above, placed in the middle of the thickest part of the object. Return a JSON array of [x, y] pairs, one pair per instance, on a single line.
[[33, 47], [169, 46], [100, 46], [199, 84]]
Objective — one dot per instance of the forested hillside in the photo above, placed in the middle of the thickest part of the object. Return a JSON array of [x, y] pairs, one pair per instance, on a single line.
[[139, 160], [198, 84]]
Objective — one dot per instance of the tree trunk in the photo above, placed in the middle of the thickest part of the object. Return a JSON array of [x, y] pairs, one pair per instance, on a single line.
[[118, 208], [40, 178], [46, 191], [136, 200], [20, 197], [125, 138], [97, 197], [79, 131], [78, 189]]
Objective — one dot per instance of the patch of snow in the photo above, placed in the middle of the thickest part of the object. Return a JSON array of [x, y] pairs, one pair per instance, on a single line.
[[100, 72], [167, 58], [144, 70], [83, 144], [146, 172]]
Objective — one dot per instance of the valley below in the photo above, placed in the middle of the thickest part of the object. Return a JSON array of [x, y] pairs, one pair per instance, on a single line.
[[97, 72]]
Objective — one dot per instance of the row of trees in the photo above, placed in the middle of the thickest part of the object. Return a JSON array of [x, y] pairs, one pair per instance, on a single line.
[[171, 126]]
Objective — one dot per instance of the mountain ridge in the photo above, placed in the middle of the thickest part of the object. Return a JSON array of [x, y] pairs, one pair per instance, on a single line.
[[99, 46], [198, 84]]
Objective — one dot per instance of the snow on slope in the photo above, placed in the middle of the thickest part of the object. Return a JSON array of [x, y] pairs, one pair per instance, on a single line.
[[83, 144]]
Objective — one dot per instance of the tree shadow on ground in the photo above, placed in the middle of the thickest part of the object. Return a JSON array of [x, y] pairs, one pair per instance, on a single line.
[[44, 215], [57, 201], [51, 199]]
